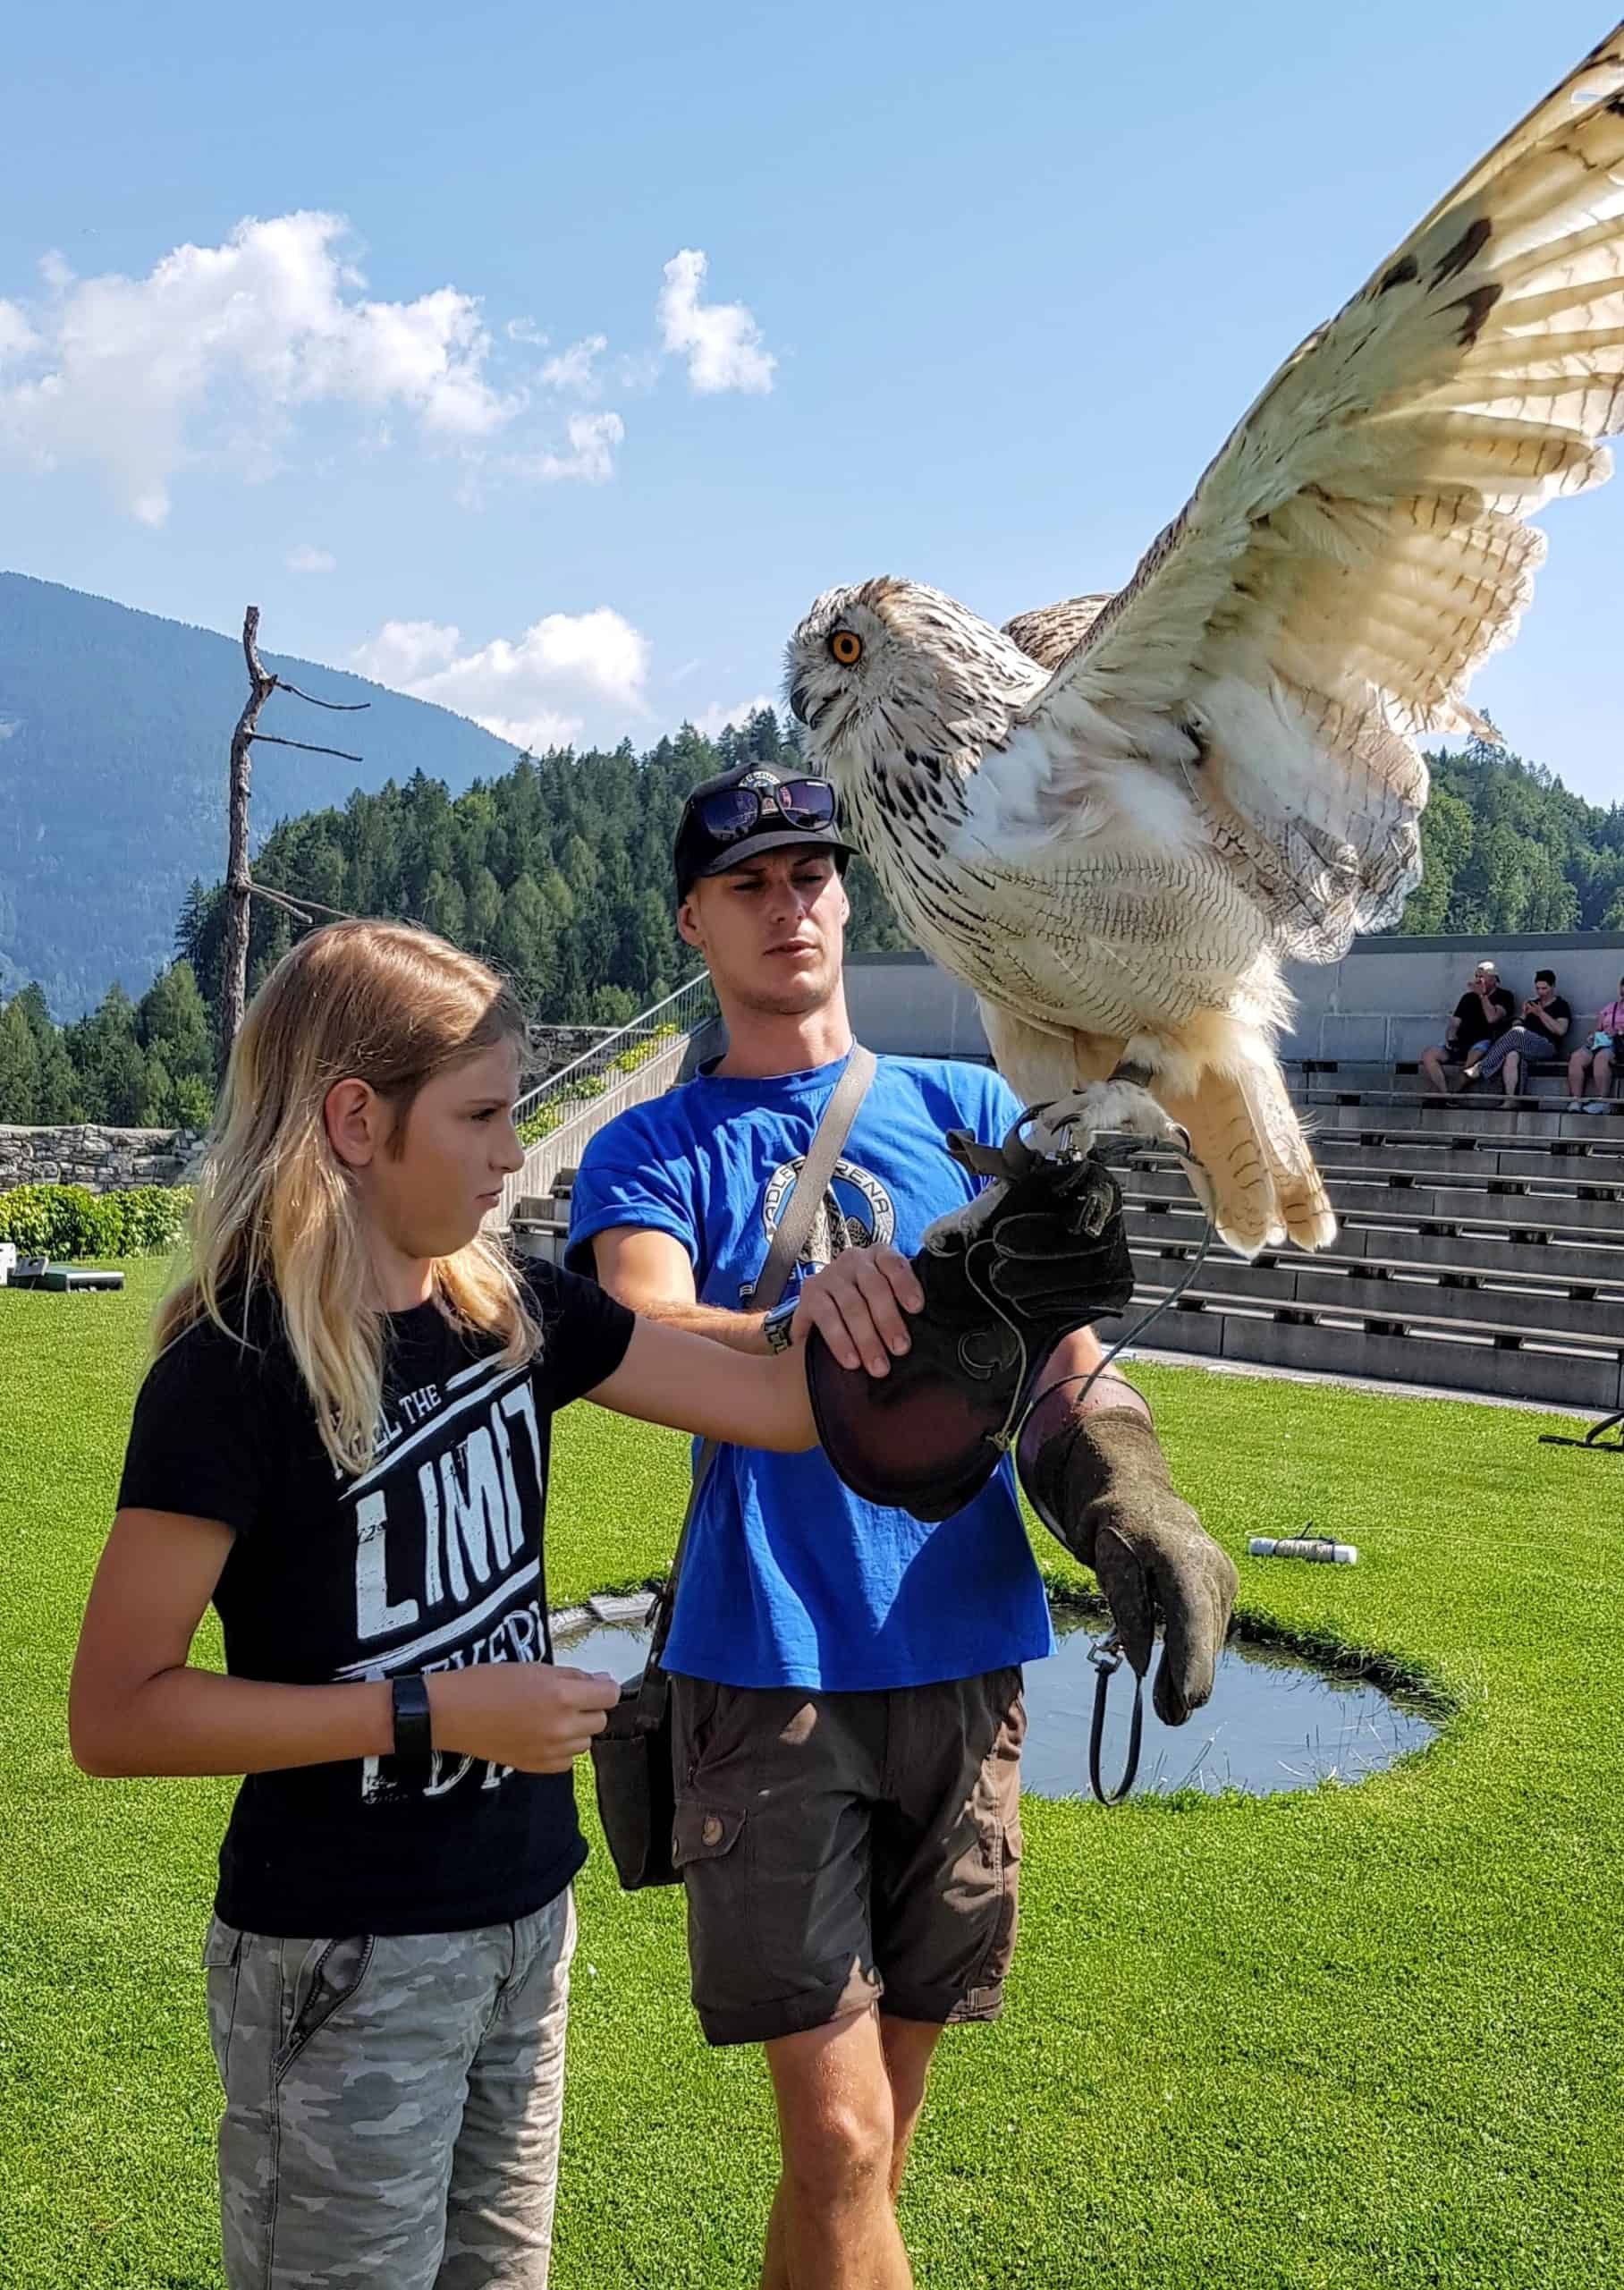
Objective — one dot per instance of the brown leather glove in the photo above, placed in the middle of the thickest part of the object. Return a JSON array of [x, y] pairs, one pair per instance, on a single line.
[[1050, 1257], [1098, 1479]]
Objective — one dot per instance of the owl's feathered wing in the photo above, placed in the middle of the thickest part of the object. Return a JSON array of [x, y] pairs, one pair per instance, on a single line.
[[1050, 634], [1356, 549]]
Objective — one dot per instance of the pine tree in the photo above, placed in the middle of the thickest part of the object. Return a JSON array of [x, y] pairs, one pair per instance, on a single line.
[[172, 1023], [18, 1065], [56, 1089]]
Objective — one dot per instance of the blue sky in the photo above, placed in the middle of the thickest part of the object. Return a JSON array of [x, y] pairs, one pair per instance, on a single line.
[[982, 290]]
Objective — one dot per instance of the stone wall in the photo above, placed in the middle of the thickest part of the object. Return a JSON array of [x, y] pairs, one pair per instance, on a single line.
[[104, 1160]]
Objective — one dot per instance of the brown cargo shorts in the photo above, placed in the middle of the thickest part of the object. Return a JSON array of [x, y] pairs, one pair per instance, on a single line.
[[841, 1848]]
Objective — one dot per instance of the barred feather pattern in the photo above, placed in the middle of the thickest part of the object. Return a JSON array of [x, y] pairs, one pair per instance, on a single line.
[[1115, 817]]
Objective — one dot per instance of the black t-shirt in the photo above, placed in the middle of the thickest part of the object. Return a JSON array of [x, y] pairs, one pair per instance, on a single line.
[[1557, 1010], [431, 1559], [1469, 1027]]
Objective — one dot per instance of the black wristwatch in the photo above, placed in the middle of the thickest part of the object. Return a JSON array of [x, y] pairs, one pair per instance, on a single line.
[[414, 1741], [776, 1326]]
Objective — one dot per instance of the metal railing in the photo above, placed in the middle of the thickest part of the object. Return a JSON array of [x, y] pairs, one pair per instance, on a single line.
[[585, 1077]]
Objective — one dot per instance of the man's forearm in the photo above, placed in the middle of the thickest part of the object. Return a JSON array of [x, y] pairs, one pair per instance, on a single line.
[[740, 1331], [1075, 1363]]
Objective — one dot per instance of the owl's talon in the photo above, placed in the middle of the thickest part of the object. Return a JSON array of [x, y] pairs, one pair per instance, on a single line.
[[946, 1235]]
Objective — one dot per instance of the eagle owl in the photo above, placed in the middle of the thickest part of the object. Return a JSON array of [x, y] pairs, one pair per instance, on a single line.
[[1116, 817]]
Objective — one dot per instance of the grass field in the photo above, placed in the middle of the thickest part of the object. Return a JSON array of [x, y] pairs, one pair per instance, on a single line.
[[1360, 2039]]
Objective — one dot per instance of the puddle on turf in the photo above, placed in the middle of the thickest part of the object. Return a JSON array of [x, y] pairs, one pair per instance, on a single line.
[[1276, 1721]]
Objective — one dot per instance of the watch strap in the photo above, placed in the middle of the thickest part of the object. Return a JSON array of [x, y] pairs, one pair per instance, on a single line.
[[414, 1743]]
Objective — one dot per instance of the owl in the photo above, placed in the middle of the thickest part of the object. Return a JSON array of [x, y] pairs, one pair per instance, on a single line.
[[1116, 818]]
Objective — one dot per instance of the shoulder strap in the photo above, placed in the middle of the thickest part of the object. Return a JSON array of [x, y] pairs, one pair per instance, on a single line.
[[789, 1238]]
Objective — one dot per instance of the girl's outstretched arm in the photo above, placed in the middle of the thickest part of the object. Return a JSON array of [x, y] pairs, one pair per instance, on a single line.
[[671, 1376], [668, 1375]]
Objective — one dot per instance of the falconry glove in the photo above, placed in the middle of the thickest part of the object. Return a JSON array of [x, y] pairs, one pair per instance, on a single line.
[[1098, 1479], [1047, 1256]]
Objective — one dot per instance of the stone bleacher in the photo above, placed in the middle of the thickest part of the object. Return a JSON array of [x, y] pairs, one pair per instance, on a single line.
[[1480, 1247]]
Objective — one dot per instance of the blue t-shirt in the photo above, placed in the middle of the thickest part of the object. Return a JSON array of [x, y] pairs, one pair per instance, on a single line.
[[789, 1578]]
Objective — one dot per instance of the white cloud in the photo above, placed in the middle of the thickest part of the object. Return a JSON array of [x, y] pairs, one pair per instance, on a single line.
[[405, 652], [568, 676], [716, 717], [721, 341], [17, 337], [306, 559], [217, 347], [572, 369], [526, 330], [593, 438]]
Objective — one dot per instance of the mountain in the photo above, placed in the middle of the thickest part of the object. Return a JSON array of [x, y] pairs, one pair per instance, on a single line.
[[114, 727]]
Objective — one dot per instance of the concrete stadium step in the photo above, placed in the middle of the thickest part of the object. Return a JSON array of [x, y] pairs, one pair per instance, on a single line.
[[1508, 1359], [1525, 1116], [1512, 1201], [1357, 1127], [1558, 1251], [1341, 1074], [1472, 1116], [1444, 1162], [1572, 1303]]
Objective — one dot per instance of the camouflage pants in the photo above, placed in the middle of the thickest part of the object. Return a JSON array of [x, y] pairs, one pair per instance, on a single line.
[[392, 2106]]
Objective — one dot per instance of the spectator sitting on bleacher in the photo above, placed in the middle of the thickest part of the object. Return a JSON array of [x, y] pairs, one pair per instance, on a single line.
[[1597, 1058], [1534, 1039], [1483, 1014]]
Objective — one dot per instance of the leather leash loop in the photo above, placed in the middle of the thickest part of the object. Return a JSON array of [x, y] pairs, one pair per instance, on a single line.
[[1107, 1659]]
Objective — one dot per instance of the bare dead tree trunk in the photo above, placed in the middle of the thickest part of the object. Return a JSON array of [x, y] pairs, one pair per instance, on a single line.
[[233, 983], [240, 886]]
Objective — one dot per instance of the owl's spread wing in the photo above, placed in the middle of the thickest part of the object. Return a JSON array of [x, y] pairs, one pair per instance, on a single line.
[[1357, 547], [1052, 633]]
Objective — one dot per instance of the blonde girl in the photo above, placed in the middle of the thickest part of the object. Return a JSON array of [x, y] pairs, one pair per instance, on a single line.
[[343, 1441]]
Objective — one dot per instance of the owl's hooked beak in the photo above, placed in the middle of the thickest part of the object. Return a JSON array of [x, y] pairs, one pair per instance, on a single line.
[[798, 704]]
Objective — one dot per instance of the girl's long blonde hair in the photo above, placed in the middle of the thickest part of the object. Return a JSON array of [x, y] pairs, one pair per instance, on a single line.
[[391, 1006]]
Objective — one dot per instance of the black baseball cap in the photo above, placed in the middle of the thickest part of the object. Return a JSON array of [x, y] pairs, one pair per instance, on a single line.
[[754, 808]]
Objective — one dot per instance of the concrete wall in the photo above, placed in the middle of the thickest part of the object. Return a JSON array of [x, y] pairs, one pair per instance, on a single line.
[[103, 1160], [1386, 999]]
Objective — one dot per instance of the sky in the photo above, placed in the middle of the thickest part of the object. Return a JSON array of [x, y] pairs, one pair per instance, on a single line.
[[547, 362]]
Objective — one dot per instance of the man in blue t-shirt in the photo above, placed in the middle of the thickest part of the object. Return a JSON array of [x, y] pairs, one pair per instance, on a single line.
[[846, 1679]]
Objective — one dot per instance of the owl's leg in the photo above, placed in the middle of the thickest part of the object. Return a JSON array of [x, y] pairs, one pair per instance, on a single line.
[[960, 1227], [1065, 1128], [1121, 1105]]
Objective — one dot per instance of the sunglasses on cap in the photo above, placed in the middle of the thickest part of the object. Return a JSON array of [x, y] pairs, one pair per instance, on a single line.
[[731, 813]]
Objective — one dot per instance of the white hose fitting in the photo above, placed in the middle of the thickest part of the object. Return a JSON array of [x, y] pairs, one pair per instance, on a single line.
[[1318, 1547]]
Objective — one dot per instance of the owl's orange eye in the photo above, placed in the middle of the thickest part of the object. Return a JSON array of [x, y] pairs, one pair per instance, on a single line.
[[846, 647]]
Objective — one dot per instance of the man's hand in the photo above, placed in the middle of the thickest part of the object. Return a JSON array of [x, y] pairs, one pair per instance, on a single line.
[[1099, 1480], [859, 1303]]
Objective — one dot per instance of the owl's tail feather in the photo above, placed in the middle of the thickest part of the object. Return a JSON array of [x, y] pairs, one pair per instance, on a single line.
[[1244, 1130]]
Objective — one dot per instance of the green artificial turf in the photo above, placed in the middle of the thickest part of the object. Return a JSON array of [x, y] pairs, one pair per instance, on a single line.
[[1366, 2039]]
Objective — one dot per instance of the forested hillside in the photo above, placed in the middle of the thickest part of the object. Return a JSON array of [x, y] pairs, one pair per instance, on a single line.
[[560, 872], [114, 731], [1508, 848]]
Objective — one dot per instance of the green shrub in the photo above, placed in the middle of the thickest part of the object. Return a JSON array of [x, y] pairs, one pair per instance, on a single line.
[[586, 1086], [65, 1221]]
